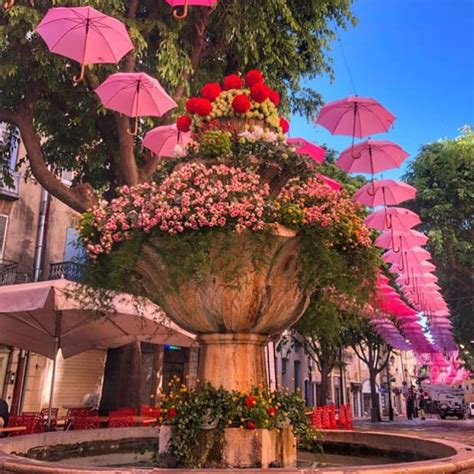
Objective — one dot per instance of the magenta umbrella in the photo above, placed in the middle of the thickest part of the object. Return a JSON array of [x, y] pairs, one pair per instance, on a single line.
[[397, 218], [163, 140], [84, 35], [304, 147], [186, 3], [404, 239], [384, 192], [332, 183], [372, 156], [135, 94], [418, 267]]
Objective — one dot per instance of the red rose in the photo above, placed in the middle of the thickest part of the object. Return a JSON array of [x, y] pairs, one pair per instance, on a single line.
[[251, 425], [211, 90], [274, 96], [202, 107], [284, 124], [253, 77], [250, 401], [271, 411], [259, 92], [241, 104], [183, 123], [172, 412], [232, 82]]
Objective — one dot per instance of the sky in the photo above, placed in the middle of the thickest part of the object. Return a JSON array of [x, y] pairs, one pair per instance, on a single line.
[[413, 56]]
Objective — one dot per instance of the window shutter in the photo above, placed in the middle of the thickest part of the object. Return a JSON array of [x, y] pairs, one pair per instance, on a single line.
[[3, 233]]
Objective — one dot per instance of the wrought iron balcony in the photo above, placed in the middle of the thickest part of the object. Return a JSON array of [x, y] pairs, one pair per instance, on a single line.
[[10, 191], [9, 274], [72, 271]]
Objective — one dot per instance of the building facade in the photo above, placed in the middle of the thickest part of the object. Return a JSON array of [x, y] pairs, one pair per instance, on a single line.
[[39, 241]]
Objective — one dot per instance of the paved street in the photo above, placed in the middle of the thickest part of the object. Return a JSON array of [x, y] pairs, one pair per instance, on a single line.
[[461, 431]]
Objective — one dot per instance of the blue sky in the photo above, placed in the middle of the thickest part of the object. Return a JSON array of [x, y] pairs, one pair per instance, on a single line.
[[413, 56]]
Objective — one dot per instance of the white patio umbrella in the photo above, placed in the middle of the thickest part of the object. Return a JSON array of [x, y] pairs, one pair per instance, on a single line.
[[47, 316]]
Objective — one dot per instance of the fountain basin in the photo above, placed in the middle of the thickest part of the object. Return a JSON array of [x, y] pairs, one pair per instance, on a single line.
[[84, 452]]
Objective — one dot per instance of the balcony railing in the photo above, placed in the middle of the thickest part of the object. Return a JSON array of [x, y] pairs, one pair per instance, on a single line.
[[72, 271], [9, 274], [11, 191]]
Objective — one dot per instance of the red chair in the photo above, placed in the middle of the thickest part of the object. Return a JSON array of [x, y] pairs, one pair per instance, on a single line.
[[317, 418], [348, 414], [85, 423], [32, 421], [121, 422], [126, 411], [332, 417], [74, 413], [145, 410], [325, 422]]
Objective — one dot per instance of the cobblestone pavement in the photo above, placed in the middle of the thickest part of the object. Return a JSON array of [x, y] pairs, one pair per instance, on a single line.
[[461, 431]]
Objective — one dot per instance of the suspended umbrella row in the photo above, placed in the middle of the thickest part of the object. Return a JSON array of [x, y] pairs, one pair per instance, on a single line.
[[361, 117]]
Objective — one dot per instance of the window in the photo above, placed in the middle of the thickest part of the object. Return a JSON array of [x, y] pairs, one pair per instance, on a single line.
[[297, 374], [284, 363], [3, 233]]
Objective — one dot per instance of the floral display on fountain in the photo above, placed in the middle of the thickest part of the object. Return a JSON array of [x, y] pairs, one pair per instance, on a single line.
[[237, 172]]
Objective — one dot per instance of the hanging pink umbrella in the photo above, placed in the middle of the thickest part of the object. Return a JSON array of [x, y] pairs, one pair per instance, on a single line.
[[372, 156], [355, 116], [397, 218], [135, 94], [384, 192], [420, 267], [417, 254], [163, 140], [400, 239], [186, 3], [332, 183], [84, 35], [304, 147]]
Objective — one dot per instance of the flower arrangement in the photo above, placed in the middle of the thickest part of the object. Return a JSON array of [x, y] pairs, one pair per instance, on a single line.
[[253, 100], [190, 198], [189, 410]]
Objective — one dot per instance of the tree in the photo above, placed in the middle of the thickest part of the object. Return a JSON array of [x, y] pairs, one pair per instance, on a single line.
[[64, 127], [443, 174], [323, 333], [371, 349]]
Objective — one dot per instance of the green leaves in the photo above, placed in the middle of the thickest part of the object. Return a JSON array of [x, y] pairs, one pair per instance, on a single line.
[[443, 173]]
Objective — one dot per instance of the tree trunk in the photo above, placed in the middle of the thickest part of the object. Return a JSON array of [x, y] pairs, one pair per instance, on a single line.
[[322, 393], [122, 379], [374, 396]]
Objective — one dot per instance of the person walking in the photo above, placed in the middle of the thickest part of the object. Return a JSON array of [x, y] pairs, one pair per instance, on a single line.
[[410, 406]]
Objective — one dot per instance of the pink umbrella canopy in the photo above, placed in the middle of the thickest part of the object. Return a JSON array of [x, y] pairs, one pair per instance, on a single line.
[[384, 192], [372, 156], [398, 240], [84, 35], [163, 140], [135, 94], [355, 116], [397, 218], [332, 183], [186, 3], [304, 147], [420, 267], [417, 254]]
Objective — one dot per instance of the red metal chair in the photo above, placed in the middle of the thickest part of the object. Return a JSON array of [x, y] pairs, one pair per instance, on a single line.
[[121, 422], [332, 417], [325, 422], [74, 413], [32, 421], [348, 415], [85, 423], [317, 418]]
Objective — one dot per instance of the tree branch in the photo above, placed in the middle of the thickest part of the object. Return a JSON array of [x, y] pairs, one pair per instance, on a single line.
[[79, 198]]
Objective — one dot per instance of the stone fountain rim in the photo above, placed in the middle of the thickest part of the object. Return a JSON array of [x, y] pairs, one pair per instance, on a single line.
[[460, 461]]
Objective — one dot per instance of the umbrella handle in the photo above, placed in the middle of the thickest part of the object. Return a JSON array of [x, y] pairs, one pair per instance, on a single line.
[[371, 191], [402, 266], [354, 156], [393, 245], [184, 14], [135, 130], [77, 79]]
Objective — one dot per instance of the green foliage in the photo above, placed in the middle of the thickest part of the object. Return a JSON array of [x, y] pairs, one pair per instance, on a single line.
[[443, 174], [215, 143], [189, 410], [287, 39]]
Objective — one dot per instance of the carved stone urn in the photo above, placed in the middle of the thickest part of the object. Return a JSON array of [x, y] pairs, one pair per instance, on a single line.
[[247, 291]]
